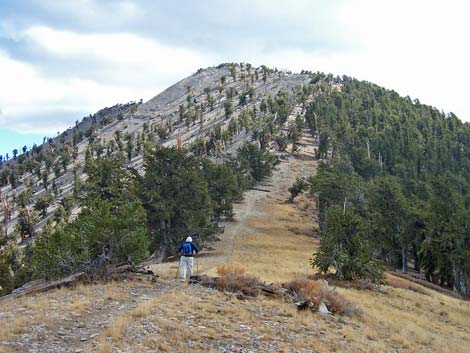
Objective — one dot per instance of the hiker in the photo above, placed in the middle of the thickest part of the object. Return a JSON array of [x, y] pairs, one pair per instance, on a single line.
[[187, 250]]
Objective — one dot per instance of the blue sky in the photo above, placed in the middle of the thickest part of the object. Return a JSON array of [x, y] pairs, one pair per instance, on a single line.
[[62, 60], [10, 139]]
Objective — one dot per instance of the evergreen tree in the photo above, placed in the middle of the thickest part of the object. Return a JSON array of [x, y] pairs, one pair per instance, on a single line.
[[7, 281], [344, 247], [176, 198]]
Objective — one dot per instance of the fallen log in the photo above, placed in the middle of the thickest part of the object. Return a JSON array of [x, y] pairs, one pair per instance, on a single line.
[[42, 285], [246, 286], [270, 290], [250, 290], [115, 272], [305, 304]]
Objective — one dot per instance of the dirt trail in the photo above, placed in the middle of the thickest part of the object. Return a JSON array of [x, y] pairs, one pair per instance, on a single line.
[[72, 321], [253, 206]]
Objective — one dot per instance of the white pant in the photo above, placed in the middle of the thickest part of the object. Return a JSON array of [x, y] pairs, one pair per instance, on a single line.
[[186, 261]]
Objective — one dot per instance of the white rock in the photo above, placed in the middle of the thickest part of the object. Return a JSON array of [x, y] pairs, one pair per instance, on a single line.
[[322, 309]]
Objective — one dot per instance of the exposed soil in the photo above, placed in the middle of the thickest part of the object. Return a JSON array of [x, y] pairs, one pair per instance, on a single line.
[[72, 330]]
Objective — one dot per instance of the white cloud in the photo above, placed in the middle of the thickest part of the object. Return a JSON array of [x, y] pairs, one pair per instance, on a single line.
[[29, 96], [118, 57], [416, 48], [117, 51], [130, 68]]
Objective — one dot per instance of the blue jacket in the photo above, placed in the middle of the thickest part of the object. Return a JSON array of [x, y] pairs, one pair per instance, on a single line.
[[194, 248]]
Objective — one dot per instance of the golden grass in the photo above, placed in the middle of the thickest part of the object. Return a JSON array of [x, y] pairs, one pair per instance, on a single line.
[[114, 291], [19, 325], [117, 327], [397, 282], [51, 307], [24, 312], [405, 318], [77, 306], [272, 251], [193, 319], [145, 308], [11, 327], [230, 269]]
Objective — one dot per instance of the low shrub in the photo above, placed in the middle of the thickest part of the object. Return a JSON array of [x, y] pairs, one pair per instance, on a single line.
[[316, 292], [245, 284], [230, 269]]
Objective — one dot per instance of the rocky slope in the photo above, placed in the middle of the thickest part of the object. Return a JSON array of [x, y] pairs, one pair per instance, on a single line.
[[272, 239], [56, 167]]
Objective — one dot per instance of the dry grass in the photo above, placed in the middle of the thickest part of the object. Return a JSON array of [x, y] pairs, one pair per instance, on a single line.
[[230, 269], [117, 327], [167, 270], [144, 309], [397, 282], [272, 251], [316, 292], [238, 283], [23, 313], [19, 325], [406, 317], [193, 319], [77, 306], [104, 347], [360, 284], [114, 291]]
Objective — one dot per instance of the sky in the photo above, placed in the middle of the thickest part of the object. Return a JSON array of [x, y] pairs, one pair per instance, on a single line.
[[62, 60]]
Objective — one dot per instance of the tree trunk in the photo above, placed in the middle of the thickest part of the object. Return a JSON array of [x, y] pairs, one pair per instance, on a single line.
[[461, 283], [404, 258], [417, 266]]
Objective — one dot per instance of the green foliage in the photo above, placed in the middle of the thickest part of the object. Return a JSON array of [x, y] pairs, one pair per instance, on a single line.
[[176, 198], [162, 131], [25, 197], [345, 248], [255, 163], [110, 230], [404, 168], [224, 186], [298, 187], [42, 203], [102, 235], [228, 107], [389, 215], [281, 141], [25, 224], [108, 179], [6, 275]]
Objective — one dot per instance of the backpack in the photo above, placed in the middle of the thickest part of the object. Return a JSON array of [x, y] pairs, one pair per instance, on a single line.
[[187, 249]]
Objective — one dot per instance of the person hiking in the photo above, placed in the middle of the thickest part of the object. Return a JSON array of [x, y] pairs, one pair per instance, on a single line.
[[187, 251]]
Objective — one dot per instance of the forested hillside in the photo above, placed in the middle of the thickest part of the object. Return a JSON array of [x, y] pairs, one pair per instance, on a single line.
[[133, 180], [394, 185]]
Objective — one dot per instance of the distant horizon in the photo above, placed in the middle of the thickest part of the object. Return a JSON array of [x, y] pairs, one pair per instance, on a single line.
[[63, 60], [11, 138]]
